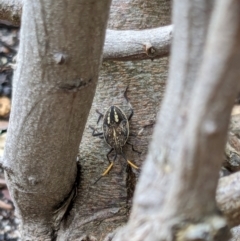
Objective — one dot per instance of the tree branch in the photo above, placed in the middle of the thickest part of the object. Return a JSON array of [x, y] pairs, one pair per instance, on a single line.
[[119, 45], [207, 128], [136, 45], [192, 155], [55, 83]]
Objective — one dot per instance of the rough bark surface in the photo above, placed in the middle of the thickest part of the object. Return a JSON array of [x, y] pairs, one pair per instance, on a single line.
[[11, 10], [192, 19], [54, 86], [228, 195], [228, 192], [186, 203], [102, 207], [119, 45], [235, 234]]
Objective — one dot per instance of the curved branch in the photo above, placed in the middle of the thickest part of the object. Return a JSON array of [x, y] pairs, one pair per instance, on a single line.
[[135, 45]]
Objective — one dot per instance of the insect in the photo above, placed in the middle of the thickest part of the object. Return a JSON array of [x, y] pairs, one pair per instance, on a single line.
[[115, 131]]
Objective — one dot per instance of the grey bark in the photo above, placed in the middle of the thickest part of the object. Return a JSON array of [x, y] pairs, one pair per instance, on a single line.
[[119, 45], [136, 45], [192, 19], [97, 211], [54, 86], [191, 156], [103, 207]]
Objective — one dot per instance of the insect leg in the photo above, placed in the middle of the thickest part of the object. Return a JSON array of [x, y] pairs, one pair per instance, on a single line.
[[129, 162], [108, 168], [100, 116], [132, 165], [125, 96], [105, 172], [110, 153], [100, 134], [110, 165], [131, 115]]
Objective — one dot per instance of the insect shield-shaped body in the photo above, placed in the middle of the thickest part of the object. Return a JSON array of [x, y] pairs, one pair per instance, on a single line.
[[115, 128]]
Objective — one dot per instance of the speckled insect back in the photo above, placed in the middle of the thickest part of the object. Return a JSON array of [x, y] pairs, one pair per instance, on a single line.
[[115, 128]]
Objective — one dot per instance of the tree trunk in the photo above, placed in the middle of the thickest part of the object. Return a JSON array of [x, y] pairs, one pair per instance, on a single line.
[[102, 207], [170, 200], [54, 86], [182, 167]]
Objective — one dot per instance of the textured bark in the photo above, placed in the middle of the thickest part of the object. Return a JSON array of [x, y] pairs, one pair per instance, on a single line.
[[235, 234], [53, 91], [228, 192], [206, 131], [186, 203], [11, 10], [183, 139], [191, 19], [231, 162], [119, 45], [136, 45], [228, 196], [106, 205]]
